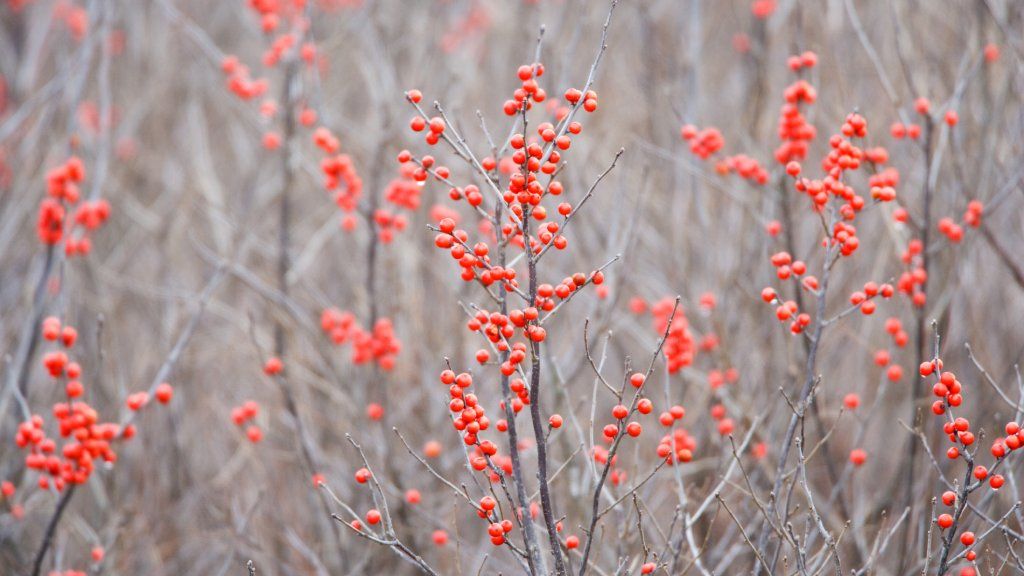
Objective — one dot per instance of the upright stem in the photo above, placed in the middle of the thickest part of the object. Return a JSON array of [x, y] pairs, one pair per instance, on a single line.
[[787, 231], [51, 529], [530, 536], [284, 215], [805, 392], [30, 332], [920, 335], [538, 425]]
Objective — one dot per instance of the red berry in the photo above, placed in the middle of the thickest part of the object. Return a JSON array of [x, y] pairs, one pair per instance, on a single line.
[[164, 392]]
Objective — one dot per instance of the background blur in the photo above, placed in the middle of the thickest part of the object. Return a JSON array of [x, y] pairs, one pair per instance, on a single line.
[[182, 163]]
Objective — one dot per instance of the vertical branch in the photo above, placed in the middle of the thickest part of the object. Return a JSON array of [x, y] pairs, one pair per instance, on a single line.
[[920, 336], [529, 534], [51, 529], [805, 392], [535, 416], [284, 214]]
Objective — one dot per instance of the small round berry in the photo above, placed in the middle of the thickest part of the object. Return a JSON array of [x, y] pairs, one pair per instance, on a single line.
[[164, 392], [851, 401], [273, 366], [362, 475]]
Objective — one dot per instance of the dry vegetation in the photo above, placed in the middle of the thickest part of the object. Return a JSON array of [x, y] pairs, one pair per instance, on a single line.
[[186, 282]]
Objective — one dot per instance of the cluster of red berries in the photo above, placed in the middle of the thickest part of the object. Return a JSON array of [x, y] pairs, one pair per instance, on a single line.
[[528, 92], [239, 81], [497, 529], [525, 191], [883, 358], [900, 131], [972, 217], [532, 157], [743, 166], [271, 12], [404, 191], [948, 388], [1013, 440], [87, 440], [912, 281], [843, 157], [679, 349], [726, 425], [894, 327], [600, 454], [883, 183], [470, 417], [718, 378], [707, 142], [703, 143], [244, 413], [62, 190], [388, 223], [340, 176], [678, 445], [280, 47], [435, 126], [379, 345], [958, 429], [620, 413], [865, 299], [787, 310], [951, 230], [795, 132], [7, 491], [785, 268], [455, 240]]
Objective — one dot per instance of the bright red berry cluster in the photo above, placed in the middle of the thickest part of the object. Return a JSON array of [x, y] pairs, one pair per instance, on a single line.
[[86, 440], [795, 132], [245, 413], [379, 345], [703, 143], [63, 194]]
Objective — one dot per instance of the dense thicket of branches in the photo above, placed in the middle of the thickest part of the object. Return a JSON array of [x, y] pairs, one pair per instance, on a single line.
[[222, 249]]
